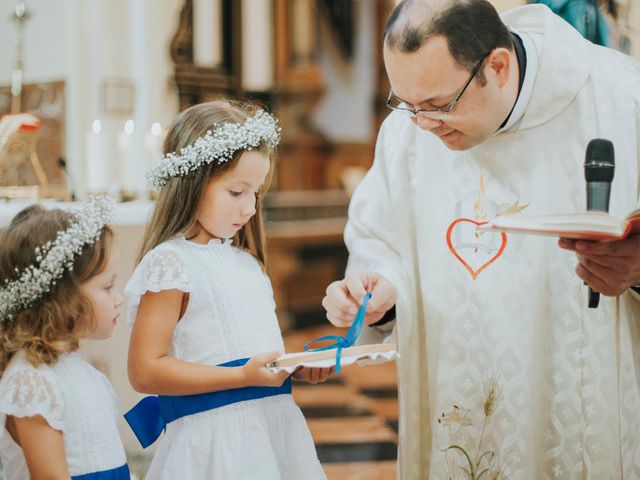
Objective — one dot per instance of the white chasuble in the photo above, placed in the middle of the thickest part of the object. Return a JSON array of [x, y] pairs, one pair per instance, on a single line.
[[500, 355]]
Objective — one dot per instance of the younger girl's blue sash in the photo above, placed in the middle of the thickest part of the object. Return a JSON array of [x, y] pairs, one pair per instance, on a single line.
[[150, 416], [120, 473]]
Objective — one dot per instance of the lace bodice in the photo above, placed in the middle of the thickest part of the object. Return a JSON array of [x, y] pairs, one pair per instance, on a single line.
[[71, 396], [231, 311]]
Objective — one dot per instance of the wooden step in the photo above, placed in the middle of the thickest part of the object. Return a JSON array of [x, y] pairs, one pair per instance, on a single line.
[[385, 470], [350, 430], [384, 407], [374, 376], [325, 394], [355, 439]]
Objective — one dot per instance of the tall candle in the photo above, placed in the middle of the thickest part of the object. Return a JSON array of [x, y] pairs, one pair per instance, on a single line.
[[126, 158], [153, 142], [97, 174], [207, 33], [303, 31], [257, 45]]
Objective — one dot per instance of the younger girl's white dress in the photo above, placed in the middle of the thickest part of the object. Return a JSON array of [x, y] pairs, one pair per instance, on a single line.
[[72, 397], [230, 315]]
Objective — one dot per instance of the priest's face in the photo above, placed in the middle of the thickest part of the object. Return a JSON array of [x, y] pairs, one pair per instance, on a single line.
[[430, 79]]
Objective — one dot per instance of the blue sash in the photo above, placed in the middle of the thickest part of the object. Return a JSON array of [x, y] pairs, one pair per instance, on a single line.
[[120, 473], [150, 416]]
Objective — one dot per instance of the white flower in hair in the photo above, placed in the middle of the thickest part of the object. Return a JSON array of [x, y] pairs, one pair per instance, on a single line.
[[218, 146], [54, 258]]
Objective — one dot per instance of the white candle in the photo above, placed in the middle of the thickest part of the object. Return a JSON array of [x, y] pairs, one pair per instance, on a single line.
[[207, 33], [126, 158], [97, 174], [303, 31], [153, 142], [257, 45]]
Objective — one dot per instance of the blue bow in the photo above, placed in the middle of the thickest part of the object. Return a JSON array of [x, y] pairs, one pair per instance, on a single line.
[[342, 342]]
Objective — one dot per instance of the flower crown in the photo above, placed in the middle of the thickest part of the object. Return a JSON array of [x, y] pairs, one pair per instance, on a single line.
[[219, 146], [54, 258]]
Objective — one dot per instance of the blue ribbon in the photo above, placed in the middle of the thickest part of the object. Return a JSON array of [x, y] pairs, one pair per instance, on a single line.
[[120, 473], [342, 342], [150, 416]]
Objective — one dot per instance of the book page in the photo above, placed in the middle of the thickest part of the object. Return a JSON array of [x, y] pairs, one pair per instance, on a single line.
[[586, 225]]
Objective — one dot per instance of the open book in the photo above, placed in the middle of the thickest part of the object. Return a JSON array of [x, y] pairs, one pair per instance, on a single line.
[[364, 354], [583, 225]]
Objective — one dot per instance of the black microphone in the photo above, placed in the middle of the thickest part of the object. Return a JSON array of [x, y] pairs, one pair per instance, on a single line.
[[599, 166]]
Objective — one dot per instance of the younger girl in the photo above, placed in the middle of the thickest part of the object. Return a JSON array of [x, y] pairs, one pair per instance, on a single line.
[[58, 415], [204, 310]]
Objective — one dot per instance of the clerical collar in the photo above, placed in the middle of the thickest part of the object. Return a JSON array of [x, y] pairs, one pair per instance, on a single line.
[[528, 62]]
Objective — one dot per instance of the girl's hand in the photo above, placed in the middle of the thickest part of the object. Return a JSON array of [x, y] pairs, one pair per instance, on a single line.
[[257, 375], [313, 375]]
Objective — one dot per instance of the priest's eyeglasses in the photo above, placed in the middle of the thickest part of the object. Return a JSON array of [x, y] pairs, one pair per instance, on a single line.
[[394, 103]]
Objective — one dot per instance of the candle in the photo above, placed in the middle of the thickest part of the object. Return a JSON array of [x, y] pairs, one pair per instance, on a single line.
[[303, 31], [97, 174], [257, 45], [126, 159], [207, 33], [153, 142]]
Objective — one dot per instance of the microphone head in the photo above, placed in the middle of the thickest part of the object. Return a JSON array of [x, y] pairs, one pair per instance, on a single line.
[[599, 163]]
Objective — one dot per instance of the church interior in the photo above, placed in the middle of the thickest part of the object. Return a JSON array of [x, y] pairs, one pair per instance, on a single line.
[[87, 90]]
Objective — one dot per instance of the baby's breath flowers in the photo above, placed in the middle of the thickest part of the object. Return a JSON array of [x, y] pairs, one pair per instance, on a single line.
[[54, 258], [219, 145]]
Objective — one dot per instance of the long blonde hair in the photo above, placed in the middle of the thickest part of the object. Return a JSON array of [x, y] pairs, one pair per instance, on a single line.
[[55, 323], [177, 203]]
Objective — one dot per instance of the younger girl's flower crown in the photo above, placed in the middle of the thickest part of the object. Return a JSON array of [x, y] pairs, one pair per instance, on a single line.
[[218, 146], [54, 258]]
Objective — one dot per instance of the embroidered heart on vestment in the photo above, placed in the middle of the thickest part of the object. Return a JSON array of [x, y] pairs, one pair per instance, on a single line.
[[452, 249]]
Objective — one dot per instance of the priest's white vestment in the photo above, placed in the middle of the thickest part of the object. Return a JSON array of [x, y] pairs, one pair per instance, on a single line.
[[509, 309]]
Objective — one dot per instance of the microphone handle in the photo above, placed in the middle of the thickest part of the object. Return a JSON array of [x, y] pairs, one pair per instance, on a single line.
[[598, 194]]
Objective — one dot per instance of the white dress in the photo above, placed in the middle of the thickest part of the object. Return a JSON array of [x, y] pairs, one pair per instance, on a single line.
[[230, 315], [73, 397]]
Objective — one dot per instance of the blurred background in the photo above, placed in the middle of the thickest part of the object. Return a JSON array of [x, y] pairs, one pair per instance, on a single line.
[[88, 87]]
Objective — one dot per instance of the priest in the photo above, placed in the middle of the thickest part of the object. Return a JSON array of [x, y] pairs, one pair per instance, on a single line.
[[503, 369]]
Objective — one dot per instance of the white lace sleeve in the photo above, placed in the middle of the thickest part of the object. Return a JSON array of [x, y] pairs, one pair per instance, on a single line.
[[26, 392], [159, 270]]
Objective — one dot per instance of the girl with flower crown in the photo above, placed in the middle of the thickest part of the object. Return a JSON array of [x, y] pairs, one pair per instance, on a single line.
[[58, 414], [204, 310]]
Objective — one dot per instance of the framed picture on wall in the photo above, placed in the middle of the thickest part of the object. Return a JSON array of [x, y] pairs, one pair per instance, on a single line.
[[118, 96]]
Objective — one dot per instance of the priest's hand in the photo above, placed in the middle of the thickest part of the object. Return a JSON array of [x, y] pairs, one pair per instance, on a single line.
[[313, 375], [608, 267], [344, 297]]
